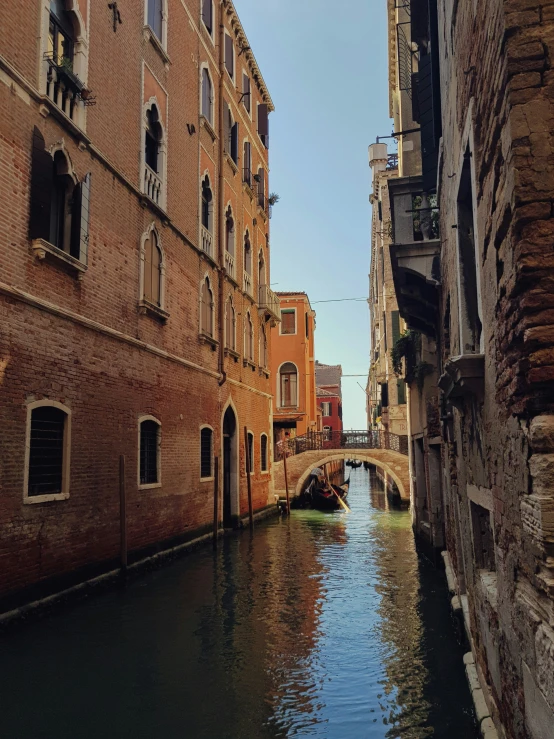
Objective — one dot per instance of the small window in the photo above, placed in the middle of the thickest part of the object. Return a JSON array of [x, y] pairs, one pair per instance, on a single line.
[[247, 163], [207, 15], [206, 454], [229, 56], [327, 431], [263, 453], [229, 232], [47, 449], [149, 452], [230, 325], [288, 321], [483, 539], [207, 309], [288, 376], [207, 96], [249, 338], [155, 17], [251, 451], [326, 409], [246, 91], [152, 270]]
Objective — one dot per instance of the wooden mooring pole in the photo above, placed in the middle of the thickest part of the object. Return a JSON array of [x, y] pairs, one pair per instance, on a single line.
[[248, 480], [285, 449], [216, 502], [122, 514]]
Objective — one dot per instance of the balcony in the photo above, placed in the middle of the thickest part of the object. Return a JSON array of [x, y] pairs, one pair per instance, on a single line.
[[206, 240], [230, 264], [247, 284], [152, 185], [64, 88], [268, 303], [415, 253]]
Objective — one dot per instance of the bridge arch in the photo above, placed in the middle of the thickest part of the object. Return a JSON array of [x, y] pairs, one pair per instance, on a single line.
[[320, 459]]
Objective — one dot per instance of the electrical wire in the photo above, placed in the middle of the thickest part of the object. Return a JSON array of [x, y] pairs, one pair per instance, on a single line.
[[339, 300]]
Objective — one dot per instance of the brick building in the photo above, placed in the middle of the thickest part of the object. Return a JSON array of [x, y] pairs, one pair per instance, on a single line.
[[479, 299], [134, 233], [292, 367], [330, 404]]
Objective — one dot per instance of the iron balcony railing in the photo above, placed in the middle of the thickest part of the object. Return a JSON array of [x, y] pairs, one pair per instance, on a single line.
[[327, 440]]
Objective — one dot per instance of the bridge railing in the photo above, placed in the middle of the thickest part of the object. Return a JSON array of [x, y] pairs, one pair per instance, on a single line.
[[323, 440]]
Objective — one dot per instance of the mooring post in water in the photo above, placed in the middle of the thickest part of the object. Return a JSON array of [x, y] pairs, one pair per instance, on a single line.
[[248, 480], [122, 513], [285, 450], [216, 501]]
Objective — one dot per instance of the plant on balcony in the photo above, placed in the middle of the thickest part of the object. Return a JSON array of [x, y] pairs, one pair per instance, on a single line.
[[273, 198]]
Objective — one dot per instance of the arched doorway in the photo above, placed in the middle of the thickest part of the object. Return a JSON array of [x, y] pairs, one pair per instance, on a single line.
[[230, 467]]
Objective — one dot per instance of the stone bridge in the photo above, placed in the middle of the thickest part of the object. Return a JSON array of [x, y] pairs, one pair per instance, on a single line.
[[388, 452]]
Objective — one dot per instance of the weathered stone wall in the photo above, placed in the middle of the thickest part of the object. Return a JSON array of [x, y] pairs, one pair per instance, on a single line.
[[497, 99]]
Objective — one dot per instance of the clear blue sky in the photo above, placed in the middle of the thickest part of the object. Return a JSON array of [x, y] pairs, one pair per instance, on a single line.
[[326, 70]]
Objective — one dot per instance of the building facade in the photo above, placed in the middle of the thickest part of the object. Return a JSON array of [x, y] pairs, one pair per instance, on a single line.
[[292, 367], [476, 294], [134, 279], [330, 404]]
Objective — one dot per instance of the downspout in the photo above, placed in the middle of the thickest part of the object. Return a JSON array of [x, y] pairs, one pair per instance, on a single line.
[[220, 201]]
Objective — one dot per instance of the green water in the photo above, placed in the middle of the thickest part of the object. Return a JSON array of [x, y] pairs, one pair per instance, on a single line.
[[323, 625]]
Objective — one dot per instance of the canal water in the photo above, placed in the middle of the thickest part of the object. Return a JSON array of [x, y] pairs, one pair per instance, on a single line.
[[323, 625]]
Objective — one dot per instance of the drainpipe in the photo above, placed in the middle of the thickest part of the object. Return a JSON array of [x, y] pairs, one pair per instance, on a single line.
[[220, 200]]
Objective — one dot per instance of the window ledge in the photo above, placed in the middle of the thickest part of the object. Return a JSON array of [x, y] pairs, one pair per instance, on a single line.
[[249, 363], [145, 201], [43, 249], [150, 486], [232, 353], [207, 479], [208, 126], [156, 43], [208, 257], [231, 162], [30, 500], [205, 339], [262, 213], [232, 279], [264, 371], [250, 297], [264, 472], [145, 307], [50, 107]]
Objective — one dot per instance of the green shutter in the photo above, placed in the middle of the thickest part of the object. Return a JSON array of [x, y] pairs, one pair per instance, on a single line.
[[401, 387]]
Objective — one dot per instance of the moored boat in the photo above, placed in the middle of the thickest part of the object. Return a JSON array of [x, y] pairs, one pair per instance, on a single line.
[[324, 498]]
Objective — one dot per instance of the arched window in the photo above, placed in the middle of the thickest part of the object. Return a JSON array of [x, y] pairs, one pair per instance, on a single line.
[[261, 270], [48, 448], [206, 452], [152, 285], [229, 232], [263, 348], [63, 86], [247, 254], [248, 338], [206, 309], [263, 452], [153, 139], [207, 204], [61, 209], [149, 453], [288, 383], [207, 96], [230, 325], [326, 433]]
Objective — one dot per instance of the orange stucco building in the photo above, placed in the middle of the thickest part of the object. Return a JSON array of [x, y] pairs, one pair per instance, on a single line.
[[293, 367]]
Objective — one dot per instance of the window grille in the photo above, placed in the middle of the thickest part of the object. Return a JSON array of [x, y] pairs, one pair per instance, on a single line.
[[206, 452], [46, 451], [149, 434]]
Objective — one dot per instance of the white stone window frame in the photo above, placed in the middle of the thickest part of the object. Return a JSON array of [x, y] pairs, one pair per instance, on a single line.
[[246, 235], [250, 434], [211, 33], [468, 142], [278, 381], [285, 310], [262, 256], [231, 302], [211, 476], [66, 460], [233, 76], [211, 219], [210, 119], [158, 484], [248, 322], [158, 42], [144, 238], [262, 341], [201, 331], [80, 52], [162, 150], [266, 471], [229, 207]]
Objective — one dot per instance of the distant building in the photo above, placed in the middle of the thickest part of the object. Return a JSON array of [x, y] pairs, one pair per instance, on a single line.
[[330, 404], [292, 367]]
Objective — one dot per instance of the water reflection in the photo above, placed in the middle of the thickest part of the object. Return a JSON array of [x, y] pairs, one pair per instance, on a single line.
[[325, 625]]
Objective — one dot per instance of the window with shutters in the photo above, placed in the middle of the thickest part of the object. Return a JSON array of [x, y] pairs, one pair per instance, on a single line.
[[250, 459], [246, 93], [207, 96], [59, 209], [261, 274], [263, 453], [206, 453], [395, 322], [231, 141], [260, 188], [229, 56], [206, 309], [288, 382], [288, 321], [230, 326], [154, 154], [326, 409], [248, 338], [156, 19], [385, 395], [208, 15], [247, 164], [47, 451], [149, 452], [263, 124], [152, 274]]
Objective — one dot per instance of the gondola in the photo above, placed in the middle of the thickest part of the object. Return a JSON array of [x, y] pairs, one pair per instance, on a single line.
[[355, 464], [324, 500]]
